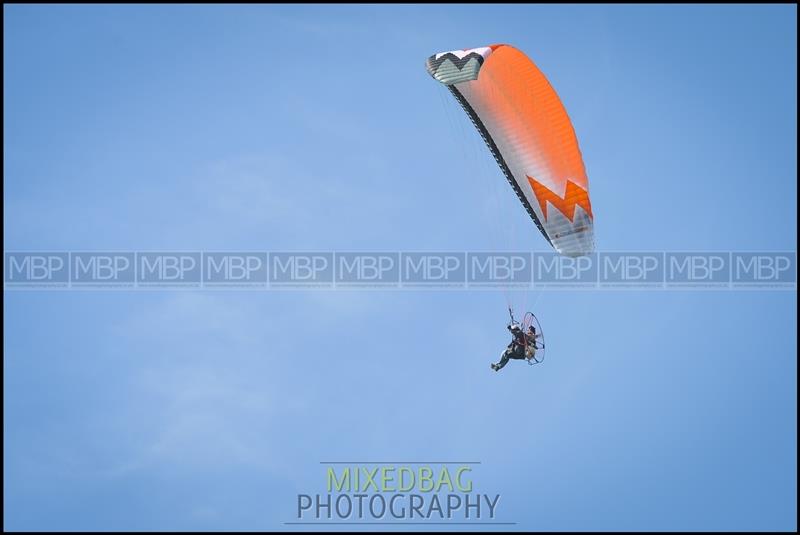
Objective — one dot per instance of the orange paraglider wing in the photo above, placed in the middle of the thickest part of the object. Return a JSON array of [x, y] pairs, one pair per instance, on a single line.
[[527, 129]]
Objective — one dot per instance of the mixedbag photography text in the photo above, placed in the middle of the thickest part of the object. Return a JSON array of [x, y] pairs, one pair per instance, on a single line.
[[398, 492]]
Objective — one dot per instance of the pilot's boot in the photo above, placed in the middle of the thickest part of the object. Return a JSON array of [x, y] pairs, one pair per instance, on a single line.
[[503, 361]]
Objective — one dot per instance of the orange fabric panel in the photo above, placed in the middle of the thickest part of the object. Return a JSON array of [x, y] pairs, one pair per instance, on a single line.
[[517, 93], [573, 196]]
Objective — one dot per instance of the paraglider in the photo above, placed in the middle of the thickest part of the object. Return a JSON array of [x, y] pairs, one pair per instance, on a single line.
[[526, 128], [527, 342]]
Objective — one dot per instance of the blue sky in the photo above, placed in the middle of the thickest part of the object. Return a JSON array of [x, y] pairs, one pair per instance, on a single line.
[[317, 128]]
